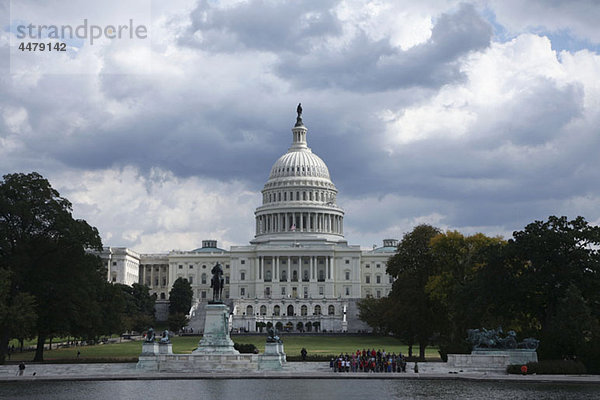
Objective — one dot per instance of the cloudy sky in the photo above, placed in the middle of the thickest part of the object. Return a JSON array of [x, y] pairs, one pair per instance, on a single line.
[[480, 116]]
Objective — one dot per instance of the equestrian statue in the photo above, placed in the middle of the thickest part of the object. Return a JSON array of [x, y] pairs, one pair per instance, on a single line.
[[217, 283]]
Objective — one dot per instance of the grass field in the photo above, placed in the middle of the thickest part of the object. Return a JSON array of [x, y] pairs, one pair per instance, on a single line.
[[324, 345]]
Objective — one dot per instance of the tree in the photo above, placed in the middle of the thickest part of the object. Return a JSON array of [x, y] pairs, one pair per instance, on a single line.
[[138, 313], [454, 286], [557, 265], [17, 311], [46, 250], [260, 326], [180, 297], [317, 326], [374, 313], [411, 313], [177, 321]]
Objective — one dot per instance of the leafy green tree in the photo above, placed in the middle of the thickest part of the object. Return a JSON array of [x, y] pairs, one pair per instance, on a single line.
[[374, 313], [454, 285], [17, 310], [46, 250], [557, 268], [572, 327], [135, 305], [177, 321], [413, 316], [180, 297]]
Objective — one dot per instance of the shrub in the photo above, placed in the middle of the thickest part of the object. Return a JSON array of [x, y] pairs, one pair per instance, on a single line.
[[550, 367], [245, 348]]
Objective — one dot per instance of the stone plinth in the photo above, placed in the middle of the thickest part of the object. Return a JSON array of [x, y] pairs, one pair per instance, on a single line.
[[273, 357], [165, 348], [149, 348], [496, 363], [515, 356], [198, 362], [215, 339]]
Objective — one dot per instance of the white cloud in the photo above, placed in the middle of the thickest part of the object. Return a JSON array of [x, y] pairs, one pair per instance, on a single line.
[[159, 212], [576, 17], [497, 79], [509, 134]]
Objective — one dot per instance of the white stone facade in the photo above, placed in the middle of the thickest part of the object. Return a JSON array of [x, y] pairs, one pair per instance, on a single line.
[[122, 265], [297, 270]]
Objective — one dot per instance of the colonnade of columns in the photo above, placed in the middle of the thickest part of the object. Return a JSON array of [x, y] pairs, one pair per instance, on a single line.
[[163, 272], [280, 268], [300, 222]]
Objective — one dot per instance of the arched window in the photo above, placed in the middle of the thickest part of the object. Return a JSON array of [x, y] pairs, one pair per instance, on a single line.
[[263, 310], [331, 310], [268, 275], [290, 310], [317, 310], [276, 310], [321, 275], [303, 310], [295, 276], [204, 279], [249, 310], [305, 277], [284, 275], [162, 296]]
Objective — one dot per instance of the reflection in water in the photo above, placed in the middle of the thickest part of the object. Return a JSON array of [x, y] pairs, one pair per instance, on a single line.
[[272, 389]]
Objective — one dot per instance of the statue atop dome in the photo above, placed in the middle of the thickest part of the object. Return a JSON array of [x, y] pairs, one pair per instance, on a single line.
[[299, 118]]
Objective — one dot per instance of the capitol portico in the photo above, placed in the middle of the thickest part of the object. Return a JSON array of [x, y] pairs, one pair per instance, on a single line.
[[298, 272]]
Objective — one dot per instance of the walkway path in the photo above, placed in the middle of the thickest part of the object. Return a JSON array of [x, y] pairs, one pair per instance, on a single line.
[[292, 370]]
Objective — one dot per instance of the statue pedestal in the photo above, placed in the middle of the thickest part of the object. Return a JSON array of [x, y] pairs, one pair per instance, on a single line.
[[515, 356], [165, 348], [273, 357], [215, 339], [150, 348]]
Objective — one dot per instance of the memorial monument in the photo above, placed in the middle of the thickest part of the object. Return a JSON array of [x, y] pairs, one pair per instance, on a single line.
[[216, 339], [215, 350], [493, 351], [274, 357], [492, 342]]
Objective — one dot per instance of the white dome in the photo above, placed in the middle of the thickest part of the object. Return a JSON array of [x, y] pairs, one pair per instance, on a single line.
[[299, 163]]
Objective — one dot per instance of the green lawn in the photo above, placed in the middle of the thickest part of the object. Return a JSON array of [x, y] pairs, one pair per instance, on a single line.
[[314, 344]]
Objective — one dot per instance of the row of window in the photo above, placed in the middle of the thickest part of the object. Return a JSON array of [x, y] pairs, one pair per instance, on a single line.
[[191, 266], [378, 279], [294, 293], [283, 278], [316, 195], [290, 311], [315, 170]]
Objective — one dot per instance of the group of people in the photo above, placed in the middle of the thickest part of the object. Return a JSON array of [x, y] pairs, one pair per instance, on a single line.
[[369, 361]]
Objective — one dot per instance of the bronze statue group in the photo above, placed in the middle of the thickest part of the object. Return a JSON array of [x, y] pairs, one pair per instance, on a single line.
[[369, 361]]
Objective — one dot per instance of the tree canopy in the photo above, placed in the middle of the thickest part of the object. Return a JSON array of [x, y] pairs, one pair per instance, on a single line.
[[180, 297], [47, 253], [543, 282]]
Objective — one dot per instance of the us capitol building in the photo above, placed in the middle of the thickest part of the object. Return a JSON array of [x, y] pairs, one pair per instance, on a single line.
[[297, 273]]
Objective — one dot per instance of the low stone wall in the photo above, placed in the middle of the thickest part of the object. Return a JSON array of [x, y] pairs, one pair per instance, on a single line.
[[198, 362], [496, 363], [515, 356]]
